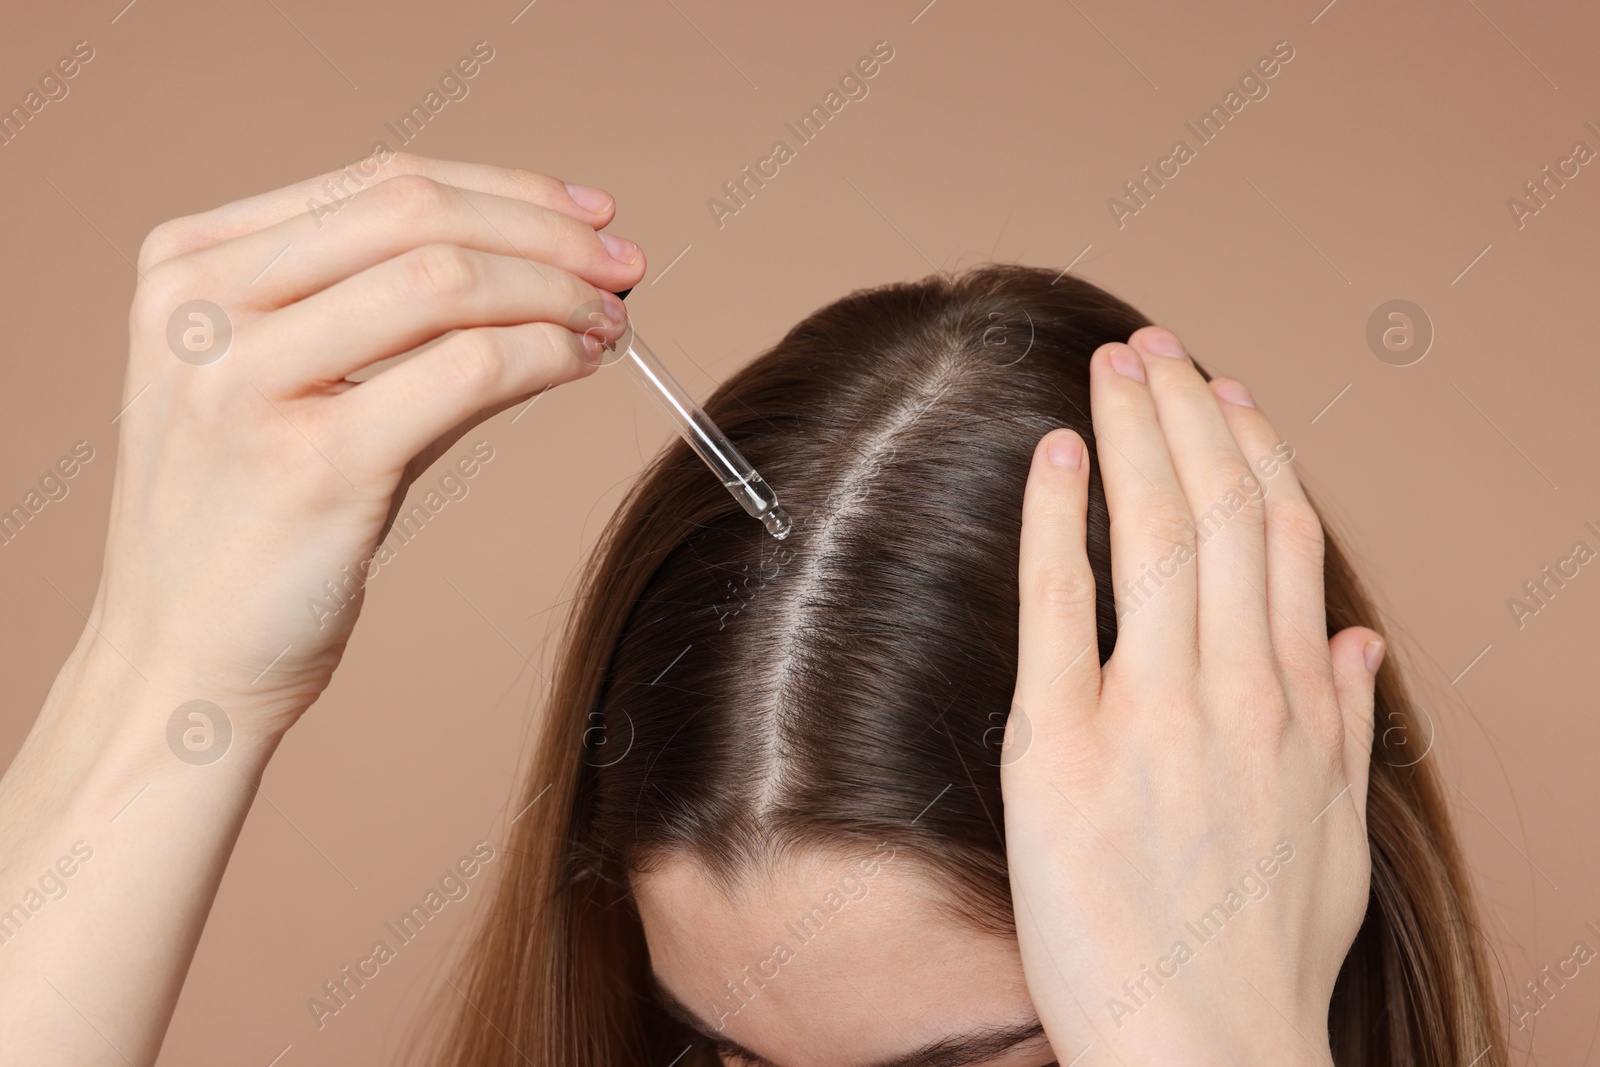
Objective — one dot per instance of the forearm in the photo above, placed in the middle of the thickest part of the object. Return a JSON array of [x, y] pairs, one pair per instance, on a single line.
[[111, 850]]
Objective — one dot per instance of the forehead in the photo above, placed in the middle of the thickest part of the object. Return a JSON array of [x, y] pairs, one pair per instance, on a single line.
[[828, 960]]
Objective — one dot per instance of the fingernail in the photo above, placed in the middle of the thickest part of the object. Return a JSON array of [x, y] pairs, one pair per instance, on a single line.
[[589, 198], [1065, 450], [1163, 343], [1127, 363], [613, 308], [593, 347], [1234, 392], [622, 250], [1373, 654]]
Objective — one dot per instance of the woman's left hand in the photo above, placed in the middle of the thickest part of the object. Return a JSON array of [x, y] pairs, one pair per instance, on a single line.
[[1186, 825]]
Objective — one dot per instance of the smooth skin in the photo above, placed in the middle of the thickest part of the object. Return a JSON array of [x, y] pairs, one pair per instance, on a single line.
[[1222, 723], [1224, 733]]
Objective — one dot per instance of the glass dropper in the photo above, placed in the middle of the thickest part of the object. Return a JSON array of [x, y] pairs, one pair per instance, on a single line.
[[696, 427]]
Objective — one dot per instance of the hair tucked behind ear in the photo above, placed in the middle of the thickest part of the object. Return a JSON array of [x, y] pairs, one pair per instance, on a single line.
[[727, 696]]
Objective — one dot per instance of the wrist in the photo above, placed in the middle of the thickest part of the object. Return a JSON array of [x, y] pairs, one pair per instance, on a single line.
[[1237, 1023], [1245, 1029], [262, 669], [162, 660], [110, 726]]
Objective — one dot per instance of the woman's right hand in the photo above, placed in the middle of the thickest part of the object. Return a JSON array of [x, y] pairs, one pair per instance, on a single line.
[[253, 477], [252, 473]]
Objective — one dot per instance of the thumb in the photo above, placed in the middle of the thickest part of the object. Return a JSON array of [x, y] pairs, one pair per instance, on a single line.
[[1356, 654]]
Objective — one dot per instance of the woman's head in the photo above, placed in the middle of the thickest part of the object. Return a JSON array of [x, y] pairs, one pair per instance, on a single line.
[[779, 715], [774, 766]]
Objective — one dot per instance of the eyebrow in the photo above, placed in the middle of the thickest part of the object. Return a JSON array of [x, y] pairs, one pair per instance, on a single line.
[[955, 1050]]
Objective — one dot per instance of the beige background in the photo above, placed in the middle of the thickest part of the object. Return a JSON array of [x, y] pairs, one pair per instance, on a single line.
[[1378, 167]]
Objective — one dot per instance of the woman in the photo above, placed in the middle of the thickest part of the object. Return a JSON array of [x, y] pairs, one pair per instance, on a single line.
[[1042, 738]]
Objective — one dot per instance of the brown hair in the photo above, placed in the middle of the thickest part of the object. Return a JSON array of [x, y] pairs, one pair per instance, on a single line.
[[723, 694]]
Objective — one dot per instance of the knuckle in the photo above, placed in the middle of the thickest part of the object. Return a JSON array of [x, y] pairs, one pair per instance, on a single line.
[[1252, 510], [551, 341], [1300, 527], [1242, 495], [412, 198], [584, 300], [1251, 686], [161, 244], [570, 240], [1303, 663], [537, 183], [1234, 473], [1257, 701], [1224, 510], [165, 285], [476, 359], [438, 272], [1058, 586], [1321, 723], [575, 290], [563, 288], [545, 273], [1164, 518]]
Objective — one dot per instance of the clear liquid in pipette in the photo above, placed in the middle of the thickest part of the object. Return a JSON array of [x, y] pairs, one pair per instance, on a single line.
[[774, 518]]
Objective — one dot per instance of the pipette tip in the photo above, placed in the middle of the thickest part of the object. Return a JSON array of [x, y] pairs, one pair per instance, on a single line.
[[777, 522]]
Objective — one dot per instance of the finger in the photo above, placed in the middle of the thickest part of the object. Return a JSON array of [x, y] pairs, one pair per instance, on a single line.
[[1296, 614], [396, 415], [413, 298], [1058, 663], [290, 260], [1224, 502], [1152, 535], [1357, 655], [327, 194]]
